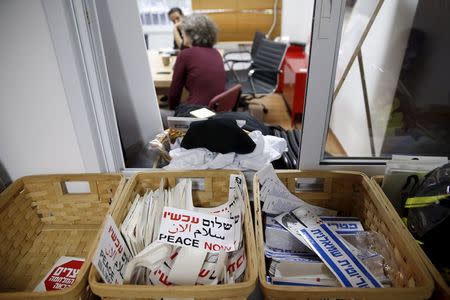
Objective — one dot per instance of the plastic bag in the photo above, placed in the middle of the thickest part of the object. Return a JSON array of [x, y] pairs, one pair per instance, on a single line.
[[377, 255]]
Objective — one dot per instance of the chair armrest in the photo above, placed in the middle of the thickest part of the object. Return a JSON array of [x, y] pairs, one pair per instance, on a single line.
[[238, 61], [252, 71], [236, 52], [231, 63]]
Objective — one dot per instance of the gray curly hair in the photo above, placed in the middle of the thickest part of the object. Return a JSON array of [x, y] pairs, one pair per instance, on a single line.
[[201, 30]]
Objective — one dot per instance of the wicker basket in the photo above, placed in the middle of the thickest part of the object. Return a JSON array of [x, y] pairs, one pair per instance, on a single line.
[[41, 221], [216, 186], [352, 194], [441, 290]]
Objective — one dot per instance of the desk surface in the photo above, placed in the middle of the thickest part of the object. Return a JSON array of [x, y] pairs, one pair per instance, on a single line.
[[162, 75]]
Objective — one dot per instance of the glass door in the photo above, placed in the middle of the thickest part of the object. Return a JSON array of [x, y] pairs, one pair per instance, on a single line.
[[389, 92]]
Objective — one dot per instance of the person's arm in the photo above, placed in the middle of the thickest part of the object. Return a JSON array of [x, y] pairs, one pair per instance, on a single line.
[[178, 80], [177, 36]]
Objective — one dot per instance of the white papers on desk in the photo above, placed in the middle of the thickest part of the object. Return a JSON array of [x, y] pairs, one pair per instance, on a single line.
[[181, 123], [202, 113]]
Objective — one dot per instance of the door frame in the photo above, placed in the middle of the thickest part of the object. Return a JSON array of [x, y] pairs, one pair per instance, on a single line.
[[325, 40], [75, 34]]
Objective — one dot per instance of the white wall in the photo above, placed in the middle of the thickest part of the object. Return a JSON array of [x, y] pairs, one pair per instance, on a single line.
[[296, 19], [383, 52], [36, 131], [159, 37], [129, 74]]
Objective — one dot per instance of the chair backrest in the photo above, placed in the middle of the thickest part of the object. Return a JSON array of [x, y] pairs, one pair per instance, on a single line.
[[227, 100], [256, 41], [269, 56]]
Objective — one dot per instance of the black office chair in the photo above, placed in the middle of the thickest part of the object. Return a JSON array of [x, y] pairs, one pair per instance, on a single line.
[[230, 62], [262, 75]]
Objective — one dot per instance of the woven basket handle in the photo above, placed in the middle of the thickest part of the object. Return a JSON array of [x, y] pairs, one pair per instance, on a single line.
[[198, 183], [309, 184], [69, 187], [76, 187]]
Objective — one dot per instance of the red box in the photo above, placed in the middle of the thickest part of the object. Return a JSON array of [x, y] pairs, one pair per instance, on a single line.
[[291, 52], [294, 84]]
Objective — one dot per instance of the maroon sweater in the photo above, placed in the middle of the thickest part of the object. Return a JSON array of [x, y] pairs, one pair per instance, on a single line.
[[201, 71]]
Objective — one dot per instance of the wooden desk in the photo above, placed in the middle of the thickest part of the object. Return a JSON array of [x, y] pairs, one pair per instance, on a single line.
[[162, 75]]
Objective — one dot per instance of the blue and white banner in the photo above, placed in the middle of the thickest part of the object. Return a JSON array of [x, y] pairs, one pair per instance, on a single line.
[[333, 251], [344, 225]]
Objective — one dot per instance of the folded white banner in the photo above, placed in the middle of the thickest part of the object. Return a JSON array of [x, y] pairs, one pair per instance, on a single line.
[[181, 227], [112, 254]]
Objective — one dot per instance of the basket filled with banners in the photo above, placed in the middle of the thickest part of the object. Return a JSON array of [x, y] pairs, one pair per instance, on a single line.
[[329, 235], [184, 234]]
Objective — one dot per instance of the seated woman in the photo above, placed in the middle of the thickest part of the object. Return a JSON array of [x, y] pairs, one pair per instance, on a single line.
[[176, 16], [199, 68]]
